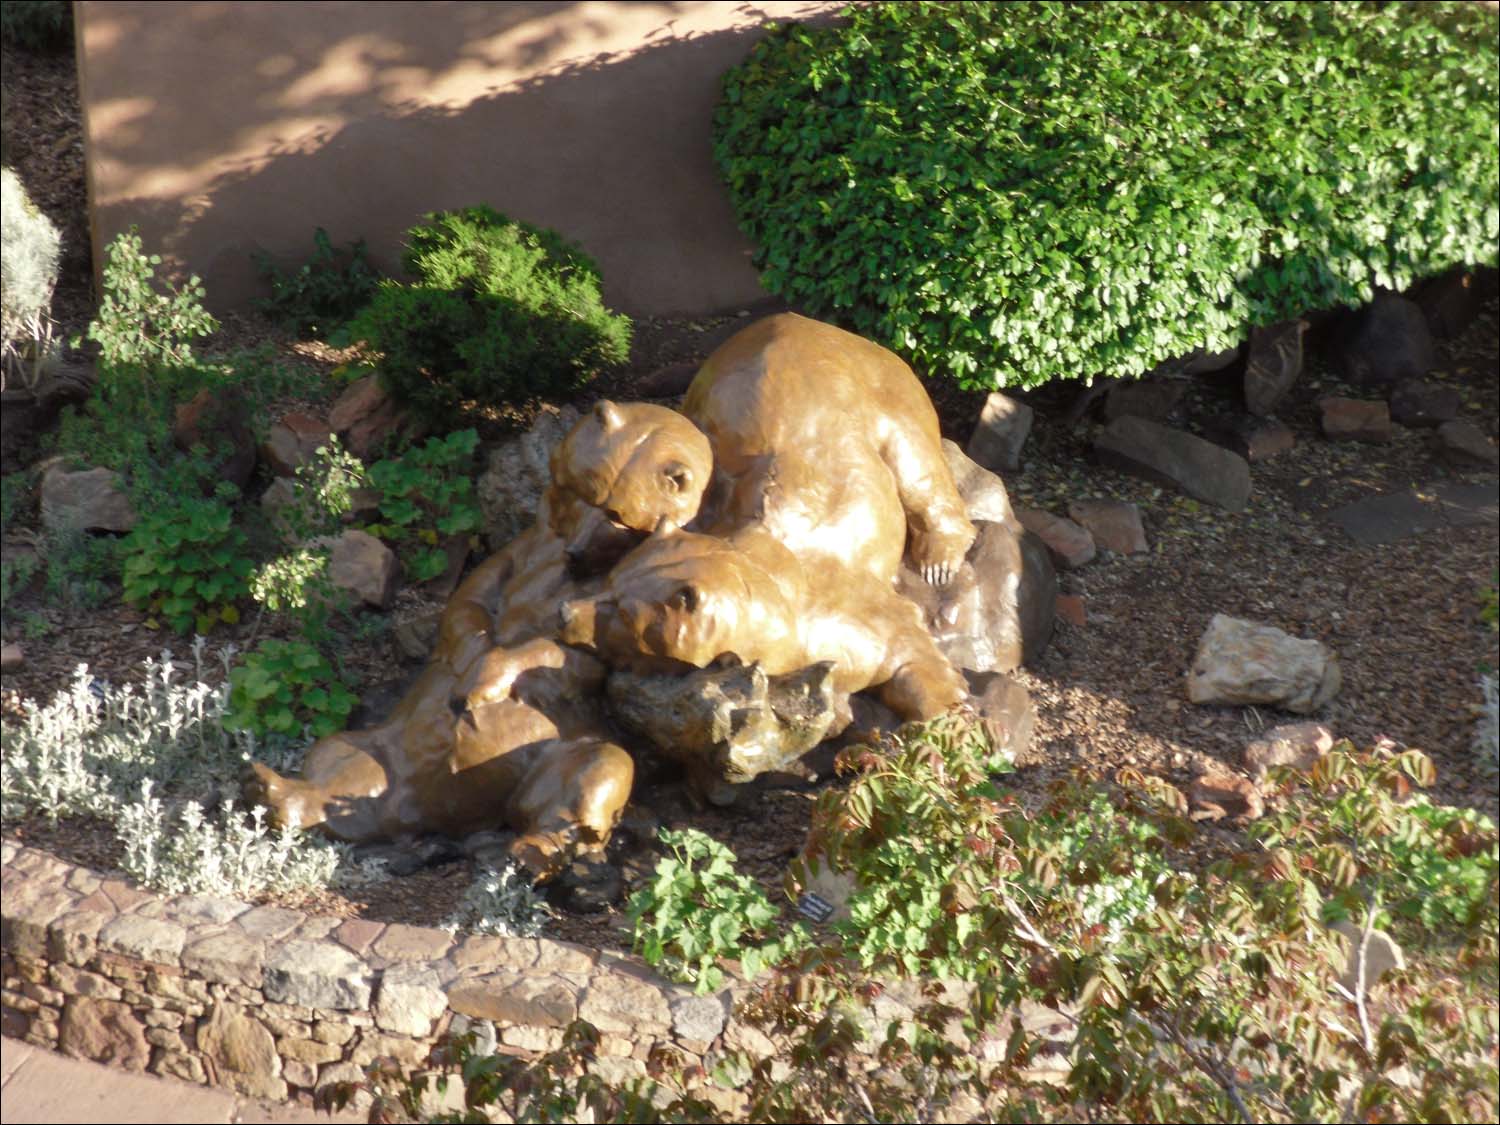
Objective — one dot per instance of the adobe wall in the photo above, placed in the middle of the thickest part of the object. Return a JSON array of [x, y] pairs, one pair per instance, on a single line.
[[221, 129]]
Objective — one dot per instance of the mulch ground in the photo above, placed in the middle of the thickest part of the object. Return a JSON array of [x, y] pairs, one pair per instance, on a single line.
[[1403, 618]]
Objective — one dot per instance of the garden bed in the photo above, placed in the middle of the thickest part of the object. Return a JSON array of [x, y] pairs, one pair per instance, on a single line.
[[1403, 617]]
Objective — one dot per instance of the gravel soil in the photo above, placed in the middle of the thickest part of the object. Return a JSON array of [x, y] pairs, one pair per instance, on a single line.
[[1403, 618]]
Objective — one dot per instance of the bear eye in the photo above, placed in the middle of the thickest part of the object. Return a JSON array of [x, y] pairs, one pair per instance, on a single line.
[[684, 598], [677, 477]]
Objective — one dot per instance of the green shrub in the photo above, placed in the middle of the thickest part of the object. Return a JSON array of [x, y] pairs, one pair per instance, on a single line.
[[285, 687], [499, 311], [1013, 193], [187, 563], [426, 496], [36, 25], [502, 902], [322, 293]]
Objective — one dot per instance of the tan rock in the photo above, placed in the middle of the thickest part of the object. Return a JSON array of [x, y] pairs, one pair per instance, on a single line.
[[1352, 419], [88, 500], [1217, 796], [510, 998], [363, 565], [105, 1031], [1070, 545], [238, 1043], [1242, 662], [1114, 525], [1291, 744]]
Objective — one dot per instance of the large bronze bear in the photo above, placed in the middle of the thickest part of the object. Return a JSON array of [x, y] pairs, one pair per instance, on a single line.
[[807, 462], [824, 439]]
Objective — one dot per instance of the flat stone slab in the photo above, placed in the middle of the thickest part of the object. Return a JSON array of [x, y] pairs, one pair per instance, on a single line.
[[1395, 515]]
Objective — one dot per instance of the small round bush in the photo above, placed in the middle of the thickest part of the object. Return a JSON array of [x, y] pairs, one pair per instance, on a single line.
[[1014, 193], [499, 311]]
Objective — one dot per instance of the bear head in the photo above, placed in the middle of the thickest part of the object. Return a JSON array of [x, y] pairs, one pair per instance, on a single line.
[[623, 472], [686, 599]]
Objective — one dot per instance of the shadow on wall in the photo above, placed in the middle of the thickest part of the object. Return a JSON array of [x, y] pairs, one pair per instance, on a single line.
[[593, 119]]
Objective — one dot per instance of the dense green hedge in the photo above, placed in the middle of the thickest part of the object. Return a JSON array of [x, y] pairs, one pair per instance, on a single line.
[[1013, 193]]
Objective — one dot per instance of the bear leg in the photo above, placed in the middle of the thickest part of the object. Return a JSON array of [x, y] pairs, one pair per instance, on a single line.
[[568, 803], [923, 689], [938, 528], [343, 787]]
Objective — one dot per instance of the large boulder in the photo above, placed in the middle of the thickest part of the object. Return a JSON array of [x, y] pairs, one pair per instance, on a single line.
[[998, 611], [1241, 662], [1386, 341], [85, 500], [293, 441], [511, 487], [1353, 419], [1417, 403], [1173, 457]]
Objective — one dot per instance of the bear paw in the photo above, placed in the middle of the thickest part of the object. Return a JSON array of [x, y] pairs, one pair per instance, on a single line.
[[938, 554]]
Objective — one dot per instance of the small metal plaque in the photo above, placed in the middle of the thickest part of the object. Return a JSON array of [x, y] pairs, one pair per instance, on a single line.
[[814, 907]]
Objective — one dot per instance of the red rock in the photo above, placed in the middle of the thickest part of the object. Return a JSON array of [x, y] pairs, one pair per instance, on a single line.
[[1114, 524], [1215, 796], [292, 443], [1070, 546], [1070, 608], [1352, 419]]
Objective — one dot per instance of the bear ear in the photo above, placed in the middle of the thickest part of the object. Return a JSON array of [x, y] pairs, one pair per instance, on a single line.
[[684, 598], [610, 416], [677, 476]]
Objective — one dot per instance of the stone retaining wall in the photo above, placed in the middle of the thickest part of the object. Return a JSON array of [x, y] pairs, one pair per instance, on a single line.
[[275, 1004]]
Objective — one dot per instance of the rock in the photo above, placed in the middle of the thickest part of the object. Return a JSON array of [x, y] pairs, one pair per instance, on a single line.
[[1352, 419], [1299, 745], [984, 494], [1395, 515], [1385, 342], [1242, 662], [366, 418], [1449, 302], [1273, 365], [1201, 362], [218, 421], [1464, 444], [12, 658], [293, 441], [1144, 398], [517, 475], [1114, 525], [87, 500], [279, 496], [1199, 468], [1070, 608], [1004, 708], [106, 1031], [415, 636], [1069, 545], [410, 1001], [1381, 954], [1215, 796], [242, 1050], [1415, 403], [589, 885], [515, 998], [727, 723], [1254, 439], [363, 565], [699, 1017], [1004, 424], [671, 381], [997, 612], [317, 974]]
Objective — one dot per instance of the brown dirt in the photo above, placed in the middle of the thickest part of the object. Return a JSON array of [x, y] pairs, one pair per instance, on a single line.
[[1403, 618]]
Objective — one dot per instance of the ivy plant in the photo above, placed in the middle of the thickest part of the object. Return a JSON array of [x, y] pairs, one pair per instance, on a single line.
[[187, 563], [284, 687], [427, 497]]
